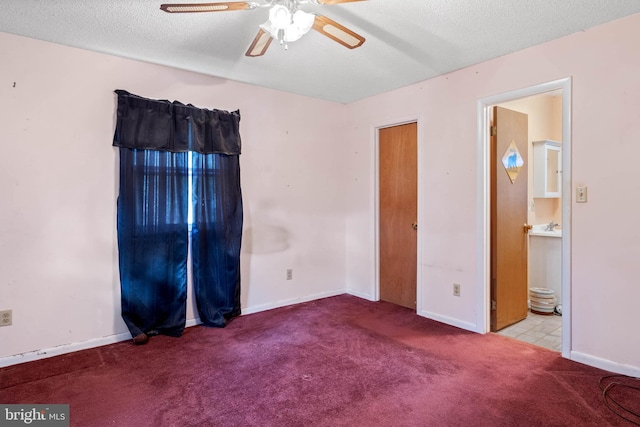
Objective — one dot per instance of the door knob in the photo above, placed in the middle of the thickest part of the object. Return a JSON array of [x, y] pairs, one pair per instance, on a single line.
[[414, 225], [527, 227]]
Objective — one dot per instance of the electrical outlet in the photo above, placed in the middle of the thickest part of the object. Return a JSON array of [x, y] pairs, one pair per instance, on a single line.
[[289, 274], [456, 290], [6, 318]]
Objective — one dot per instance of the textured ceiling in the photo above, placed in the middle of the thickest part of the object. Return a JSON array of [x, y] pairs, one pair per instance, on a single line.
[[406, 41]]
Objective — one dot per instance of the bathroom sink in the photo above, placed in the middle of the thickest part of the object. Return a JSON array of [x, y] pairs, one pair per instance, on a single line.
[[540, 230]]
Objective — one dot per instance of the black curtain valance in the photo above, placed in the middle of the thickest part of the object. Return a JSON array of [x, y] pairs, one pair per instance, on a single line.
[[151, 124]]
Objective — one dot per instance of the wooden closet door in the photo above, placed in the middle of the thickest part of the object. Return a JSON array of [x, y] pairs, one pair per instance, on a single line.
[[398, 207]]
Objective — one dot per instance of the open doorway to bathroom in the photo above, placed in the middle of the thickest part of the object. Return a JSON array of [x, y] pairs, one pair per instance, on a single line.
[[549, 272], [542, 325]]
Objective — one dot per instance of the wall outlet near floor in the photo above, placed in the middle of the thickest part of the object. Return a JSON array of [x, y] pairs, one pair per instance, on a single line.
[[289, 273], [456, 290], [6, 318]]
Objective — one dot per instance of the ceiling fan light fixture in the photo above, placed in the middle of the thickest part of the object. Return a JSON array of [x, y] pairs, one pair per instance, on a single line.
[[298, 26], [303, 22], [286, 23], [280, 17]]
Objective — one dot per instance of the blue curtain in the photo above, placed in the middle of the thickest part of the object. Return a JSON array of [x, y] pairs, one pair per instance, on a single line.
[[155, 138], [216, 237], [152, 241]]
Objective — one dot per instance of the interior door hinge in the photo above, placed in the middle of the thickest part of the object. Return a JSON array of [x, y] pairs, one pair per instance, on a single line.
[[493, 305], [494, 130]]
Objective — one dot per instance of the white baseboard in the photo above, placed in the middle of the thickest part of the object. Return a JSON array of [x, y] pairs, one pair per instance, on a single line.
[[359, 294], [576, 356], [449, 321], [291, 301], [31, 356], [607, 365]]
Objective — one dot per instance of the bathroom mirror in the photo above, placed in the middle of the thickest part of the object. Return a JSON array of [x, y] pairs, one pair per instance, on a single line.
[[547, 169], [552, 170]]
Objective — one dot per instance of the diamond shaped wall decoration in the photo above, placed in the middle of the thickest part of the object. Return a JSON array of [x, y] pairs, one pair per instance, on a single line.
[[512, 161]]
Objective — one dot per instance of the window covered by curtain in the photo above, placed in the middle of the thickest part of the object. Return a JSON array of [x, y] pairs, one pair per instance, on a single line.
[[152, 240], [217, 221], [154, 138]]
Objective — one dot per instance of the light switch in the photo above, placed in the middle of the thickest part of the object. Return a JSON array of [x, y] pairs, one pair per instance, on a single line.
[[581, 194]]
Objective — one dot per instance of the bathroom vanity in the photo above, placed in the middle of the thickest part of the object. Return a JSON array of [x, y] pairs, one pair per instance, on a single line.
[[545, 259]]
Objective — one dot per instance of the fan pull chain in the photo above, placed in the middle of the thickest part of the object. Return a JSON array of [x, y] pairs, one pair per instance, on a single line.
[[281, 39]]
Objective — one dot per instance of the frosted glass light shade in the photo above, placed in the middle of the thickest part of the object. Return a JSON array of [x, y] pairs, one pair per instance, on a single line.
[[297, 27], [280, 17], [302, 23]]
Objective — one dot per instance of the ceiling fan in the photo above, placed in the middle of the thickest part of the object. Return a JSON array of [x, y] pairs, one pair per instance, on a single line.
[[286, 22]]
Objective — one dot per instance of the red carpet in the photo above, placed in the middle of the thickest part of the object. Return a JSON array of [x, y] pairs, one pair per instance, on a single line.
[[340, 361]]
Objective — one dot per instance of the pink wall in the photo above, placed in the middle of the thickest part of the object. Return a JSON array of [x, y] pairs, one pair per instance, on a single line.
[[306, 208], [604, 63], [58, 186]]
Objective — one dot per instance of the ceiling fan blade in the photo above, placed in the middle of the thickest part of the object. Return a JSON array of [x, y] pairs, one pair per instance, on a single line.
[[328, 2], [260, 44], [207, 7], [337, 32]]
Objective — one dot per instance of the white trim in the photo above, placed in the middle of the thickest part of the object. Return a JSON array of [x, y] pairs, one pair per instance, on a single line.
[[291, 301], [31, 356], [482, 220], [418, 119], [567, 198], [362, 295], [605, 364], [483, 205], [373, 208], [468, 326]]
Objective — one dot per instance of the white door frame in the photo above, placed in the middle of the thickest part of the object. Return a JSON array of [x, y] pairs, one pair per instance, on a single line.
[[375, 130], [483, 202]]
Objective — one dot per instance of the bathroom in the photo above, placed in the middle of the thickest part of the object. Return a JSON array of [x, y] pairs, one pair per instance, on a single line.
[[544, 213]]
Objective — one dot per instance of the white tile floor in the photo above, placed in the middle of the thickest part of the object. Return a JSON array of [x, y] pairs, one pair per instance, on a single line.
[[545, 331]]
